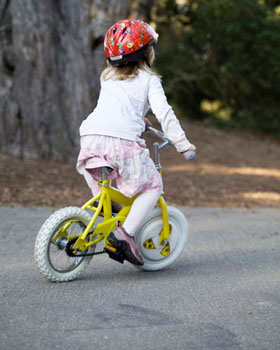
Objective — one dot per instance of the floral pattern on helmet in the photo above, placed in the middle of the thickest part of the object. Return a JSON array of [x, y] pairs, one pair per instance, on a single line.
[[128, 36]]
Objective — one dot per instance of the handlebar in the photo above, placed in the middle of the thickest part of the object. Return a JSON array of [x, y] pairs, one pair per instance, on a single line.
[[159, 134], [189, 155]]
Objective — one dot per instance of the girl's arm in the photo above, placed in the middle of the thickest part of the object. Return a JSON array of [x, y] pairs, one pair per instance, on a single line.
[[166, 116]]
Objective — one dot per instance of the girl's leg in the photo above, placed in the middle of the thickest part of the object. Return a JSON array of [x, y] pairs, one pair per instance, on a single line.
[[91, 182], [136, 175], [141, 207], [123, 237]]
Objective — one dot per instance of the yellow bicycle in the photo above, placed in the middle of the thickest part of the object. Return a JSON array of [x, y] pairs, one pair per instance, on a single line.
[[68, 239]]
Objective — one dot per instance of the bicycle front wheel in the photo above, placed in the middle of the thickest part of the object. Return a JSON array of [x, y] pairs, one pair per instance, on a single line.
[[54, 242], [156, 256]]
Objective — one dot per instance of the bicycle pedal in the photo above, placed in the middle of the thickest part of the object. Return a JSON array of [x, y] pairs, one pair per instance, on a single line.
[[114, 253]]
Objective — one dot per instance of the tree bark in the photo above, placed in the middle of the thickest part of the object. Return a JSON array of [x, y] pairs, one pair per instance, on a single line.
[[51, 56]]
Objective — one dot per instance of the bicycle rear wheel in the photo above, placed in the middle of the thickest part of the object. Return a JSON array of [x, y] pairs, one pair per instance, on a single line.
[[53, 248], [156, 256]]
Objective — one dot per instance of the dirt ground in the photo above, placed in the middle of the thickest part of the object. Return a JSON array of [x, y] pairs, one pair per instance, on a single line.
[[231, 170]]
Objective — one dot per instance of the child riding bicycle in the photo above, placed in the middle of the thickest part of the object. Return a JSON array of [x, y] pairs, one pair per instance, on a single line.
[[110, 136]]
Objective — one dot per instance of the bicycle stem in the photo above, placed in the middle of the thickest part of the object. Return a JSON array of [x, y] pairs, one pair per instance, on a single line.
[[156, 156], [159, 147]]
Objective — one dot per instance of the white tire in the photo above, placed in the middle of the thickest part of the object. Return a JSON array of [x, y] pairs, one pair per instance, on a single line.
[[52, 259], [149, 232]]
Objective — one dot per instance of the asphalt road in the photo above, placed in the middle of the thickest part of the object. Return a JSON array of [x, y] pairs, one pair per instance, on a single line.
[[224, 293]]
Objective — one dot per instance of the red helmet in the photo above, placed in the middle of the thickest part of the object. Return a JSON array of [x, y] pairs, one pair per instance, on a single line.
[[128, 41]]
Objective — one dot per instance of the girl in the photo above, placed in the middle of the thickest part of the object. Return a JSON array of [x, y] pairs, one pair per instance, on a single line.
[[110, 136]]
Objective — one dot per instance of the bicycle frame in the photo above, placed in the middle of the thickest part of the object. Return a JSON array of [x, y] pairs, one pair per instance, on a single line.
[[108, 194]]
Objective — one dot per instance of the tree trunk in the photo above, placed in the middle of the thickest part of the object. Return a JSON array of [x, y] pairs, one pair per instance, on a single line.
[[51, 56]]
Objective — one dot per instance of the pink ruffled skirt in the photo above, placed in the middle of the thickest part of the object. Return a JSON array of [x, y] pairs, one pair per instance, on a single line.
[[132, 166]]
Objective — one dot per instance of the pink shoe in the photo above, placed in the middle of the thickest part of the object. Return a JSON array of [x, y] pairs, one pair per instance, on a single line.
[[121, 240]]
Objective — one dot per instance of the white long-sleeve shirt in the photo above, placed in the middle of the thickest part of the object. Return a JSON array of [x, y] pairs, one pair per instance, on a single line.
[[122, 106]]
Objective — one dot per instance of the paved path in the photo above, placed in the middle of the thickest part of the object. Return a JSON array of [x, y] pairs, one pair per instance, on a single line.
[[224, 293]]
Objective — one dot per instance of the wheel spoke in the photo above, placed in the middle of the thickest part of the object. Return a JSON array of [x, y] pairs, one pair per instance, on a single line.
[[60, 260], [59, 254]]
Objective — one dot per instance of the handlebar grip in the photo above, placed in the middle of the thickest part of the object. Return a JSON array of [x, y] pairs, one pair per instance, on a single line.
[[189, 155]]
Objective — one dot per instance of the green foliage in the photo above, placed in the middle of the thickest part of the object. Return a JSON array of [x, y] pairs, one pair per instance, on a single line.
[[221, 58]]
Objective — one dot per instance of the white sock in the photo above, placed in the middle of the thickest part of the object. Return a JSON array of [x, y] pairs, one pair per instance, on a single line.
[[141, 207]]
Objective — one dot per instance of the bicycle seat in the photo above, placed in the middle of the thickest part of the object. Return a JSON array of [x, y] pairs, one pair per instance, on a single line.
[[108, 169]]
